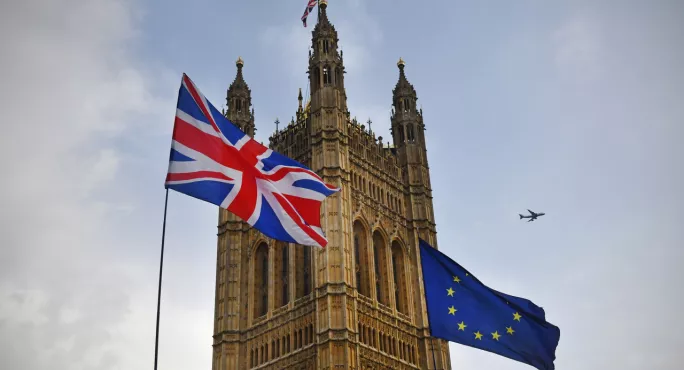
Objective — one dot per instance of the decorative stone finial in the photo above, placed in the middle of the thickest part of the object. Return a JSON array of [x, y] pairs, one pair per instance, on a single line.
[[323, 4], [401, 63], [239, 62]]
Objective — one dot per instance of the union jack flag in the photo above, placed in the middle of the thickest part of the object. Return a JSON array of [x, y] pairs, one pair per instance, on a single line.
[[309, 8], [213, 160]]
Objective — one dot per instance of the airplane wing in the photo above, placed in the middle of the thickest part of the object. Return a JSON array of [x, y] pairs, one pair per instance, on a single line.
[[532, 213], [531, 219]]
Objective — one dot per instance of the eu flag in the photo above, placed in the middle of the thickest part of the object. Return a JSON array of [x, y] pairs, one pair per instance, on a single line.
[[463, 310]]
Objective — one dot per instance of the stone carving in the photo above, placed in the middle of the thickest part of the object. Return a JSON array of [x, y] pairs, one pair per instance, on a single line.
[[374, 175]]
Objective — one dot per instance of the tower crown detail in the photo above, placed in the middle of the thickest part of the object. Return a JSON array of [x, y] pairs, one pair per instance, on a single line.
[[403, 87], [239, 101], [326, 66]]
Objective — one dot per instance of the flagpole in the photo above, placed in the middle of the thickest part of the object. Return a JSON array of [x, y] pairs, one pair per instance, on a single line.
[[161, 266]]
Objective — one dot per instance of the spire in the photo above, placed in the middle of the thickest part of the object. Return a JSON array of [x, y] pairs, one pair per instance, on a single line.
[[239, 101], [239, 86], [323, 28], [407, 121], [403, 87], [300, 98], [326, 66], [323, 14]]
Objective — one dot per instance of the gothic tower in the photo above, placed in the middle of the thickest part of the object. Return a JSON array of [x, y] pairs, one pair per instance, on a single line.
[[239, 101], [357, 304]]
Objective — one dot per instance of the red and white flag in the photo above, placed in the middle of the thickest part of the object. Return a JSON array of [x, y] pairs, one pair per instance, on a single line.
[[309, 8]]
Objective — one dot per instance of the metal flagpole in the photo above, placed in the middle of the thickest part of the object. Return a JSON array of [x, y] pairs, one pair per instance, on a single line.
[[161, 265]]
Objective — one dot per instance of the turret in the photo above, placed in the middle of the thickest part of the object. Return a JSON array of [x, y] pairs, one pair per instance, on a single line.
[[239, 102], [408, 132], [407, 120], [326, 67]]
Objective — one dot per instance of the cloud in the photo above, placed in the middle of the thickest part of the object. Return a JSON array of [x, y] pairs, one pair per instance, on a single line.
[[291, 42], [360, 33], [71, 89], [577, 47]]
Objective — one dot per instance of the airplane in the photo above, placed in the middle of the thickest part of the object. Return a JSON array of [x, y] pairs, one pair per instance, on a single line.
[[533, 216]]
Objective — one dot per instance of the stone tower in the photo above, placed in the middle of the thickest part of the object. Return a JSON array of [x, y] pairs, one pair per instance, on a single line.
[[357, 304], [239, 102]]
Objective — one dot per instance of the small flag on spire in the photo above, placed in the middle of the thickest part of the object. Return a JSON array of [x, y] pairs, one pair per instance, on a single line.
[[309, 8]]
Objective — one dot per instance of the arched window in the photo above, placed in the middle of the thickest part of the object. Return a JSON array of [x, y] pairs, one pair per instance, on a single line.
[[238, 105], [400, 281], [261, 280], [411, 136], [327, 77], [380, 254], [281, 274], [303, 271], [361, 259], [315, 79], [338, 76], [307, 270], [401, 134], [326, 46]]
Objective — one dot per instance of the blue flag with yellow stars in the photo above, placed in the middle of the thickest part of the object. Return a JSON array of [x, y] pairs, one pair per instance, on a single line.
[[463, 310]]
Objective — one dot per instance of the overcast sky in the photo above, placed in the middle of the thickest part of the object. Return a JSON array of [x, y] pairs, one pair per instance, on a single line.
[[573, 108]]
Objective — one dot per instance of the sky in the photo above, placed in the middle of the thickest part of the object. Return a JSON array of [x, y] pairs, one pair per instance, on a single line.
[[573, 108]]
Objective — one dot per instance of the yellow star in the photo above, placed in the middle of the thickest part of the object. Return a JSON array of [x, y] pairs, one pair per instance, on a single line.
[[467, 274], [450, 292], [510, 330], [496, 335], [516, 316], [462, 326], [456, 279], [478, 335], [452, 310]]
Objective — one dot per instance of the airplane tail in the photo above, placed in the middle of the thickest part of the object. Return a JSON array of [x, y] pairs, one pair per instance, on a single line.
[[521, 216]]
